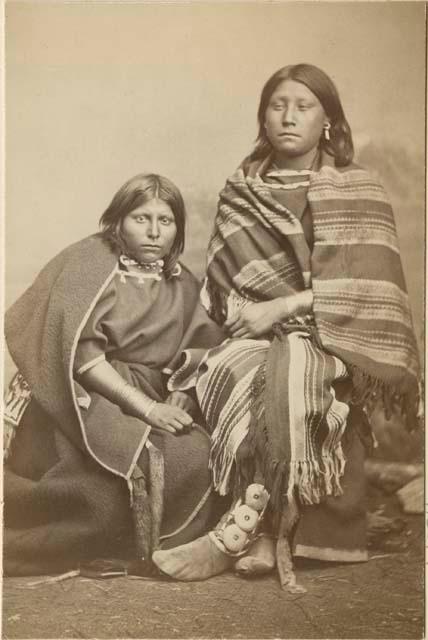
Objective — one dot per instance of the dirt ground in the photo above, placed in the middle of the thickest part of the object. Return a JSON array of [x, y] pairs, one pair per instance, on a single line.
[[382, 598]]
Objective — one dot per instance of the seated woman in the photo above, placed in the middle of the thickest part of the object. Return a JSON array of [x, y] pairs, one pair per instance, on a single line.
[[101, 459], [304, 273]]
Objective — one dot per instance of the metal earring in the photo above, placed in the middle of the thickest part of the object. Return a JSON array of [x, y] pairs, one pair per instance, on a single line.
[[326, 128]]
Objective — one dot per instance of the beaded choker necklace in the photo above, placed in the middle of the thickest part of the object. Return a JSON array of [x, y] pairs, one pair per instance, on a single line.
[[148, 267], [140, 270]]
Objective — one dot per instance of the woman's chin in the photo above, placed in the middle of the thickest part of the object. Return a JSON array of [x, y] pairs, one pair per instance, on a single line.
[[150, 256]]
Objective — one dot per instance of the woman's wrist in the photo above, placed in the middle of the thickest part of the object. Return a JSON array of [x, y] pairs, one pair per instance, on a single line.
[[303, 302], [284, 309], [297, 304], [134, 400]]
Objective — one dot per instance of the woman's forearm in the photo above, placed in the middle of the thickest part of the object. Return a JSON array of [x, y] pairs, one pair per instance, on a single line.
[[301, 303], [298, 304], [105, 380]]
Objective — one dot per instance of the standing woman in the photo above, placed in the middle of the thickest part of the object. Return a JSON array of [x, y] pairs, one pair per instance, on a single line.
[[304, 273]]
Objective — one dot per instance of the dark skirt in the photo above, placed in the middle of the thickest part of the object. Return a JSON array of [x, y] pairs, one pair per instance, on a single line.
[[62, 508], [335, 530]]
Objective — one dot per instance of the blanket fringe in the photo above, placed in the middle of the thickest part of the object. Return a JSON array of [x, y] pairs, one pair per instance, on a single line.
[[315, 479], [311, 480], [221, 464], [368, 390]]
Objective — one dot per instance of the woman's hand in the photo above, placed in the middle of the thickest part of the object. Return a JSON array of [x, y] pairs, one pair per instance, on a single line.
[[183, 401], [169, 418], [256, 319]]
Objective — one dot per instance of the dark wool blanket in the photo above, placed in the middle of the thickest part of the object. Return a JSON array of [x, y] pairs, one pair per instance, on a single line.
[[75, 457]]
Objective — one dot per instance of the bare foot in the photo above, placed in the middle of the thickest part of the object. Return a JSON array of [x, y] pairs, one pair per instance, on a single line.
[[260, 558], [197, 560]]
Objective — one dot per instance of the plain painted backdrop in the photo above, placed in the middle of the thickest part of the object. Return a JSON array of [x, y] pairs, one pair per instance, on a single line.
[[97, 92]]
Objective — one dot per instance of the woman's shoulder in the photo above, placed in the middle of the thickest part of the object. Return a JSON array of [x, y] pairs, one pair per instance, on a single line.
[[186, 276], [82, 266], [91, 253], [254, 164], [87, 250], [353, 174], [351, 182], [358, 172], [95, 242]]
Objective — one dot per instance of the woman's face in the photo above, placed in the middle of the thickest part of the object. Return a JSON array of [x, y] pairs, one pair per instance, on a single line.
[[294, 122], [149, 231]]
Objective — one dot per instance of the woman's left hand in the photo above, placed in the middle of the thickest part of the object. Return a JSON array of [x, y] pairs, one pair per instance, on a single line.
[[256, 319], [182, 400]]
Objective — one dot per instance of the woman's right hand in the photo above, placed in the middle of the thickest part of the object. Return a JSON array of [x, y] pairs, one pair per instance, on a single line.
[[169, 418], [257, 318]]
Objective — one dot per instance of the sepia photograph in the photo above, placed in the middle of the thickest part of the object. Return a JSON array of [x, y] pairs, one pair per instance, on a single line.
[[214, 319]]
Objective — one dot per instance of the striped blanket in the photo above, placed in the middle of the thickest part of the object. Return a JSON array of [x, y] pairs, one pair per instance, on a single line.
[[271, 403]]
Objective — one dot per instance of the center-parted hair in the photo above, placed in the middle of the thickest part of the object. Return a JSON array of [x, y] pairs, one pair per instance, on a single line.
[[340, 145], [136, 192]]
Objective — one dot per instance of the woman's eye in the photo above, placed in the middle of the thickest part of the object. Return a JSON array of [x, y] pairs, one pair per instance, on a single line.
[[141, 218], [166, 221]]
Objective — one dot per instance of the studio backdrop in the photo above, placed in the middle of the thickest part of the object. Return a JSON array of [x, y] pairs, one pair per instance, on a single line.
[[97, 92]]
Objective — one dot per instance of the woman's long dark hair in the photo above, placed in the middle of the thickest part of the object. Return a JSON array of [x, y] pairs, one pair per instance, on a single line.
[[340, 145], [136, 192]]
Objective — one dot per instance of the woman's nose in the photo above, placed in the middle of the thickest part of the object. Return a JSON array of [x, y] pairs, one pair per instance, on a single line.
[[154, 229], [289, 115]]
